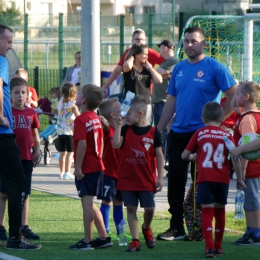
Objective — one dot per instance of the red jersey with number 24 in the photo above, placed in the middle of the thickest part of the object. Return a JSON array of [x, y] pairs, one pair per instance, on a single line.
[[87, 126], [212, 154]]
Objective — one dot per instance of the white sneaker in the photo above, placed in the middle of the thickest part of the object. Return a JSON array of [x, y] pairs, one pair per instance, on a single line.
[[68, 176], [234, 176], [61, 176]]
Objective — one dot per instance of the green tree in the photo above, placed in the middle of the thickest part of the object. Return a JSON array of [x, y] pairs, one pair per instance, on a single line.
[[10, 16]]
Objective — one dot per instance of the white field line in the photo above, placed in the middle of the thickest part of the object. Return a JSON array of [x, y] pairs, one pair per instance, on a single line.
[[9, 257]]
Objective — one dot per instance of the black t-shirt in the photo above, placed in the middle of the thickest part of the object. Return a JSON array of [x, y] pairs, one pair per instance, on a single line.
[[138, 83], [141, 131]]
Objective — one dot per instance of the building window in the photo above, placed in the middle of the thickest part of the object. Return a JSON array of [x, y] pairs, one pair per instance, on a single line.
[[130, 10], [149, 9]]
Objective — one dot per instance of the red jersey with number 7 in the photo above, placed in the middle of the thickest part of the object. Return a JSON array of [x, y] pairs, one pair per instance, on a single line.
[[212, 154], [87, 126]]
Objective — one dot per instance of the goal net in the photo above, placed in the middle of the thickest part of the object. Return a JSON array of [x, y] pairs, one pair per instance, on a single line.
[[232, 40]]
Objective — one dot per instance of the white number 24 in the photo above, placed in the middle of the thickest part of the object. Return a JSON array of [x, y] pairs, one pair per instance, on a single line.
[[212, 156]]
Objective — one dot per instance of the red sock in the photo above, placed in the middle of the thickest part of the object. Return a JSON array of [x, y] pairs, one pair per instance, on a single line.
[[207, 217], [220, 219]]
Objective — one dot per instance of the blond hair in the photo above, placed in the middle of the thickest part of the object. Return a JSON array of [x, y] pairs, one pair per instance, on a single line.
[[252, 89], [139, 104]]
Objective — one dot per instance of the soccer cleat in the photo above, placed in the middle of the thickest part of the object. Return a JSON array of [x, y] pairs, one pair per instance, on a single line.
[[218, 252], [250, 240], [28, 234], [82, 245], [68, 176], [99, 243], [21, 244], [148, 236], [134, 246], [170, 234], [209, 253], [3, 235]]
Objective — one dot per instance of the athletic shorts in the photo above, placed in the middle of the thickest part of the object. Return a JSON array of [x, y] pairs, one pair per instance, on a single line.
[[210, 192], [91, 184], [131, 198], [66, 143], [252, 194], [27, 169], [109, 189]]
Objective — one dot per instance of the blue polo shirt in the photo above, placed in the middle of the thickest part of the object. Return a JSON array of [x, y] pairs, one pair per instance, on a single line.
[[193, 85], [4, 75]]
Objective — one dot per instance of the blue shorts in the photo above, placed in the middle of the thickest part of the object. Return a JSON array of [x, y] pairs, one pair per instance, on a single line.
[[91, 184], [210, 192], [27, 169], [131, 198], [109, 190], [66, 143], [252, 194]]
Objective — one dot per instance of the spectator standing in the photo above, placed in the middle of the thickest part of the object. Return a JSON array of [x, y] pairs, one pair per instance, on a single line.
[[138, 37], [194, 82], [73, 72]]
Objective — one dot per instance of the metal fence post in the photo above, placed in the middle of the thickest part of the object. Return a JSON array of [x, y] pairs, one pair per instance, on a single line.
[[150, 31], [122, 34], [36, 78], [173, 20], [60, 47], [25, 46]]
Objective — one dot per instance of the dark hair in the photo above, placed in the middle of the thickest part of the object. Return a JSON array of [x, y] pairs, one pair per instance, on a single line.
[[69, 91], [252, 89], [194, 29], [106, 107], [139, 104], [93, 94], [135, 50], [212, 112], [18, 81], [78, 52], [3, 28]]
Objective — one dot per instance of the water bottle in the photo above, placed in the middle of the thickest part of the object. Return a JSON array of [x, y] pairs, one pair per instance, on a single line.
[[126, 103], [122, 233], [239, 204], [229, 144]]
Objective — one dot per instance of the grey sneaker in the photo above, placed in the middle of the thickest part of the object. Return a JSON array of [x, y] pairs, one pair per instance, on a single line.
[[19, 244], [251, 240], [170, 234], [28, 234]]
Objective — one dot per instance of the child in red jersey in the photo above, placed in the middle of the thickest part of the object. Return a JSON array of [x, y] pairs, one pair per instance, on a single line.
[[244, 102], [213, 174], [140, 144], [88, 149], [25, 124], [109, 109]]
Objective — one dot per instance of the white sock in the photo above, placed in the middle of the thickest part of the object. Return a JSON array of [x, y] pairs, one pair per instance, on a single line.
[[67, 173], [62, 173]]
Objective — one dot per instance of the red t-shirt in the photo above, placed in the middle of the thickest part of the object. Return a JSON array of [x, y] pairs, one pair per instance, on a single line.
[[231, 120], [212, 154], [153, 57], [87, 126], [110, 155], [33, 94], [23, 122], [136, 169]]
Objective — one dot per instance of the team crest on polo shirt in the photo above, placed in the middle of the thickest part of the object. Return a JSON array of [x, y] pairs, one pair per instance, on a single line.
[[147, 146], [200, 74]]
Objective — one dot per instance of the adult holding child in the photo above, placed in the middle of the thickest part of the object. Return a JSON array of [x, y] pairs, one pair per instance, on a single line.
[[194, 82], [138, 73]]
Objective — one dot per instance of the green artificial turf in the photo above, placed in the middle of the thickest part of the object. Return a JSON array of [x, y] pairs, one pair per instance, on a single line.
[[58, 220]]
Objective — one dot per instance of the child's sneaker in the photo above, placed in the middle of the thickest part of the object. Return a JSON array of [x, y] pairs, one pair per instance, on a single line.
[[251, 240], [18, 244], [82, 245], [28, 234], [148, 236], [209, 253], [68, 176], [218, 252], [134, 246], [102, 243], [61, 176], [3, 235]]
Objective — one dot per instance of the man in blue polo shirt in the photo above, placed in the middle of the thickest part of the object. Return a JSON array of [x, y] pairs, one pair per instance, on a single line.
[[194, 82]]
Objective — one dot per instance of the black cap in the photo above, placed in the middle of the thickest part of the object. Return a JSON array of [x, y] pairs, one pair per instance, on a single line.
[[167, 43]]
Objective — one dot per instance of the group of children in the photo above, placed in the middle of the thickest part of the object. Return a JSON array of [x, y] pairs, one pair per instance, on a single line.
[[117, 159]]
